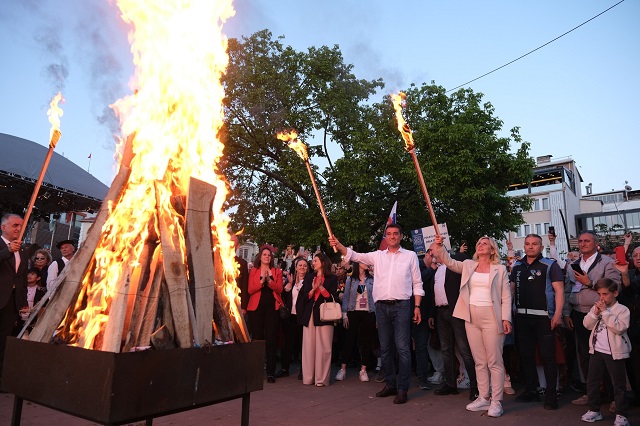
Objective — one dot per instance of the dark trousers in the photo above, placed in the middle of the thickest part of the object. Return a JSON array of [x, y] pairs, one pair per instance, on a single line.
[[451, 332], [582, 340], [394, 331], [8, 318], [263, 323], [359, 334], [568, 340], [420, 334], [532, 329], [598, 365], [292, 340]]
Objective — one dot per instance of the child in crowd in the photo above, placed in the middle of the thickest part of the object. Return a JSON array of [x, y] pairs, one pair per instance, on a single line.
[[609, 346]]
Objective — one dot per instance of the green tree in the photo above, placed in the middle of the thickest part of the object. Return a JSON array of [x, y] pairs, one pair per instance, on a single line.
[[271, 87], [467, 166]]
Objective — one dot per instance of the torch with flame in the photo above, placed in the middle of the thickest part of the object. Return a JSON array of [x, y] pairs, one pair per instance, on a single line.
[[291, 139], [54, 113], [399, 101]]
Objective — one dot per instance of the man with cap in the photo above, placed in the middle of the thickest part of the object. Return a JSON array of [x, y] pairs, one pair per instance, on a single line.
[[13, 277], [67, 250]]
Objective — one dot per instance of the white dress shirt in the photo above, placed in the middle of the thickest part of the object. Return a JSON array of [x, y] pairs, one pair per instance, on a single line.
[[52, 272], [438, 286], [397, 275]]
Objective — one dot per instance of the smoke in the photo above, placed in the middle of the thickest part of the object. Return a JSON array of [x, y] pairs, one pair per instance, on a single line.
[[80, 41], [103, 34]]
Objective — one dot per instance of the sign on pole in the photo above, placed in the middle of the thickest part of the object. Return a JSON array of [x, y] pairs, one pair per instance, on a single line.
[[423, 237]]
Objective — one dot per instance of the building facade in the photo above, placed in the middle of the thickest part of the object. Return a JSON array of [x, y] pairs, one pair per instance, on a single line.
[[556, 192]]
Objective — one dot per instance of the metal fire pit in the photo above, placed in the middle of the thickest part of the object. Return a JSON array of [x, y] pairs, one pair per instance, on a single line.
[[116, 388]]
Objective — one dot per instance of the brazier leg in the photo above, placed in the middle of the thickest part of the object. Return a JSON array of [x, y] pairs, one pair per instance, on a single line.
[[245, 409], [17, 411]]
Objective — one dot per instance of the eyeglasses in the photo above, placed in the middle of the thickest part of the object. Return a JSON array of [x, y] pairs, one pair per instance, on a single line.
[[41, 258]]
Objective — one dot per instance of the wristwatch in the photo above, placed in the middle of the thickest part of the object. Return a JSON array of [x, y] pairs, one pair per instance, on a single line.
[[417, 307]]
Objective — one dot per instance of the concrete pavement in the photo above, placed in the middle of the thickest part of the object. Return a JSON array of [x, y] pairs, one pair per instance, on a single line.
[[349, 402]]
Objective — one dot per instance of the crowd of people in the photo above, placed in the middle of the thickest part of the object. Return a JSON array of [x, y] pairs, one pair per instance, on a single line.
[[25, 274], [458, 322]]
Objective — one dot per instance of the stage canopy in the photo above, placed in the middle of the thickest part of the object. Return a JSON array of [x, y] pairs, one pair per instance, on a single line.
[[66, 187]]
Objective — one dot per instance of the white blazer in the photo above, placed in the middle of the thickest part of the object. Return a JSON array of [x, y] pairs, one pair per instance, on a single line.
[[500, 289]]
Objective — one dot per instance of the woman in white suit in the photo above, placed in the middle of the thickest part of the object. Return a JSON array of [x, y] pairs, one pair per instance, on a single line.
[[485, 306]]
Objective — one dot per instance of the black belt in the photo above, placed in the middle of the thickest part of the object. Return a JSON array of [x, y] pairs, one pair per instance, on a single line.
[[442, 306], [390, 302]]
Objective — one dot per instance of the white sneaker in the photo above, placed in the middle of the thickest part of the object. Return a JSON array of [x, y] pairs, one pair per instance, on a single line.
[[463, 382], [495, 409], [437, 378], [341, 374], [364, 377], [582, 400], [480, 404], [621, 421], [593, 416]]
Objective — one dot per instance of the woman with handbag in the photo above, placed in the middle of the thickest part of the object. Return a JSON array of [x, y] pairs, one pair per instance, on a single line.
[[359, 319], [292, 331], [318, 289], [265, 287]]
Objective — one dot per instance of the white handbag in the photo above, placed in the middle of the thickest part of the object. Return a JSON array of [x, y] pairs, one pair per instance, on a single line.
[[330, 311]]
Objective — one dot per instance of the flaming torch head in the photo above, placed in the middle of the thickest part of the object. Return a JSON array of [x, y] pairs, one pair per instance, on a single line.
[[398, 104], [291, 139], [54, 113]]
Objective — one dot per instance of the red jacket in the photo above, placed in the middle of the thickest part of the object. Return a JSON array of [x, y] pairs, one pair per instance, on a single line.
[[255, 288]]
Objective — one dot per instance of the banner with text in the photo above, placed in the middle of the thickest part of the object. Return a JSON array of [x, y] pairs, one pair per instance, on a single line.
[[423, 237]]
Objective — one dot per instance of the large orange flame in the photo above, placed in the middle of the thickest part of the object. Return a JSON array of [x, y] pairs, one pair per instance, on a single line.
[[399, 102], [291, 138], [176, 112], [54, 113]]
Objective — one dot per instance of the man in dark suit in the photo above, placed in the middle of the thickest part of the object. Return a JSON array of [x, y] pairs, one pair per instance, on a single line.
[[451, 330], [13, 277]]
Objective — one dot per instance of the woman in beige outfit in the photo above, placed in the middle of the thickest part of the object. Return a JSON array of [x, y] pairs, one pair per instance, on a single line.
[[485, 305]]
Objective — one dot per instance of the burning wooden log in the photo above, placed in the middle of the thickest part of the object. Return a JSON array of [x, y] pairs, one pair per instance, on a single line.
[[68, 284], [152, 292], [175, 273], [200, 246]]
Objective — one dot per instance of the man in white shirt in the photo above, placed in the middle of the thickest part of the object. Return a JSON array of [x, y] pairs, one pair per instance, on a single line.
[[397, 277], [67, 250]]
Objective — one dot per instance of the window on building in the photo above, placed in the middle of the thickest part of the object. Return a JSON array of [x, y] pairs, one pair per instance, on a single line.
[[244, 253], [633, 220], [546, 227], [519, 233], [539, 228], [545, 204], [527, 229], [536, 204]]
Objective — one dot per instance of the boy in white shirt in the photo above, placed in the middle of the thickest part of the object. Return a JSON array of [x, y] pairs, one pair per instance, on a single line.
[[609, 346]]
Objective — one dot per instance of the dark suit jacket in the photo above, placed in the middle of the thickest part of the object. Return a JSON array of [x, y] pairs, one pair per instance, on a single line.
[[453, 280], [9, 277], [305, 306]]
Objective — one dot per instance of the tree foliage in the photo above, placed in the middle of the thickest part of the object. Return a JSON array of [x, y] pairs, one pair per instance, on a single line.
[[466, 164]]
